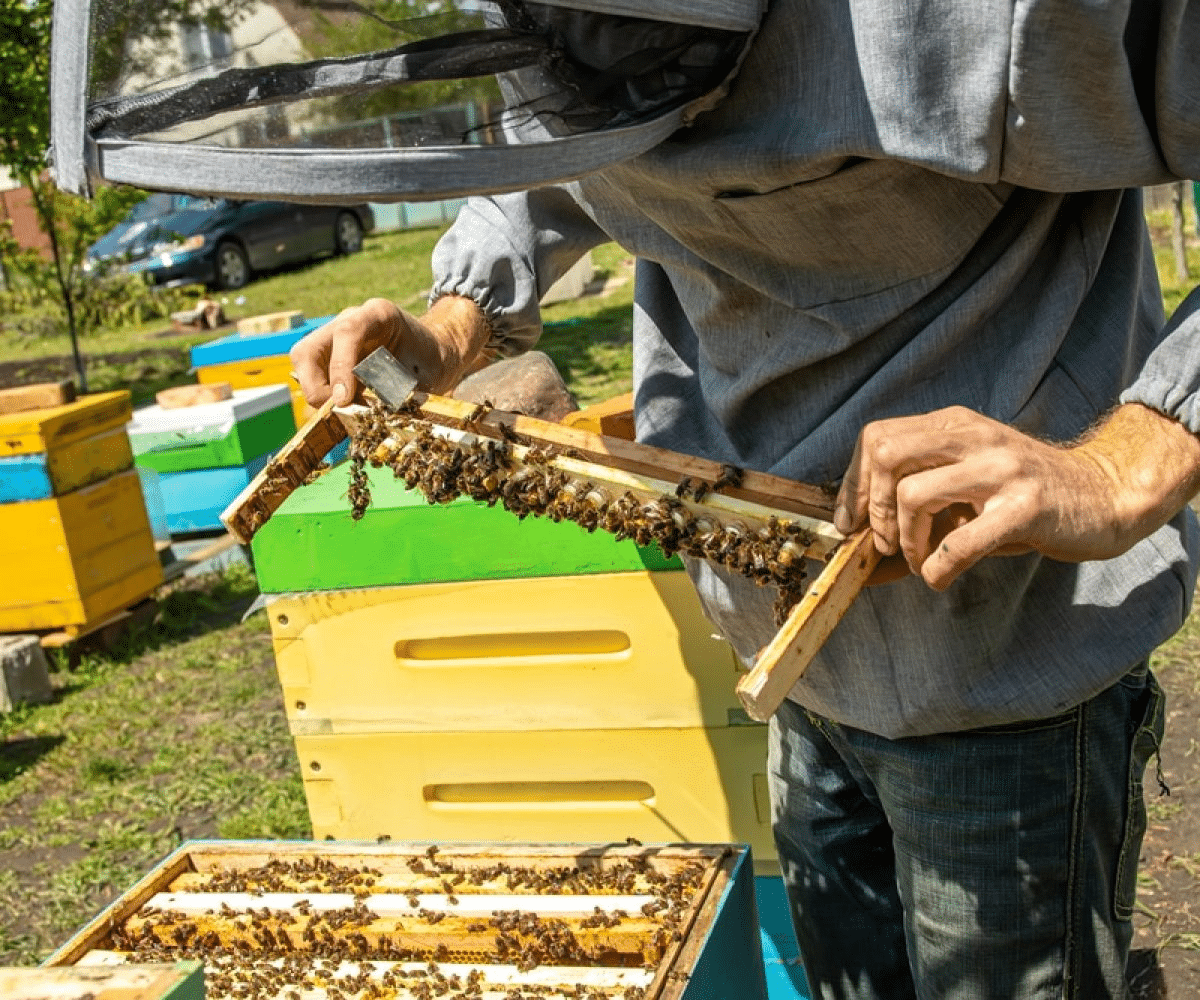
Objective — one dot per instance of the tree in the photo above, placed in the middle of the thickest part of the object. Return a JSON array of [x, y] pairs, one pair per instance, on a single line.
[[70, 223]]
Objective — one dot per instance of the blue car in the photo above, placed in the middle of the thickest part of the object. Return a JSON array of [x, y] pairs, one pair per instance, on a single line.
[[176, 239]]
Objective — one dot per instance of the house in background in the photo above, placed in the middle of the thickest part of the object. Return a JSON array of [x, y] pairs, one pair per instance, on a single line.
[[16, 209]]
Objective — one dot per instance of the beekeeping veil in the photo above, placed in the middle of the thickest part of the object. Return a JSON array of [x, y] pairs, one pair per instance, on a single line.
[[377, 100]]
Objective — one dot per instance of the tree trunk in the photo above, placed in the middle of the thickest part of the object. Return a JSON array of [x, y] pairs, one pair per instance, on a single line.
[[43, 201], [1178, 243]]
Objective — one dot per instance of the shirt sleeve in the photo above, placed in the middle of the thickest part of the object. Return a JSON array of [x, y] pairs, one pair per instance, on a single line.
[[505, 251], [1169, 381]]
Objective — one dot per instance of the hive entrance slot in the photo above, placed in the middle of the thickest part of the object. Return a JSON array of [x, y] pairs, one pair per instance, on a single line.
[[535, 793], [498, 647]]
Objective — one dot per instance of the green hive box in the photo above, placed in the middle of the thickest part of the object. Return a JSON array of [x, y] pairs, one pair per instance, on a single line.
[[312, 543], [218, 435]]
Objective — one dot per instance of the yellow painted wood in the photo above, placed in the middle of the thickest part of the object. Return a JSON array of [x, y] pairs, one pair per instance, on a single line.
[[593, 651], [45, 430], [76, 558], [88, 460], [689, 785], [253, 372]]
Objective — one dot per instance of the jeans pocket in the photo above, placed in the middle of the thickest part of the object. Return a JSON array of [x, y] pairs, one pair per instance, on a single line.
[[1146, 721]]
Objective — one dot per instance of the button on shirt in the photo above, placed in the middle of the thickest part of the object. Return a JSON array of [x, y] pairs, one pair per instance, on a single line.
[[898, 208]]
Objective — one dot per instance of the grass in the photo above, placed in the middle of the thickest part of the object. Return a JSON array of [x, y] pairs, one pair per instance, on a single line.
[[589, 339], [178, 734]]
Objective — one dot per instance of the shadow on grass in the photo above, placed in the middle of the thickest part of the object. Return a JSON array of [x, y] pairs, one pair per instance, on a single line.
[[572, 344], [193, 606], [17, 756]]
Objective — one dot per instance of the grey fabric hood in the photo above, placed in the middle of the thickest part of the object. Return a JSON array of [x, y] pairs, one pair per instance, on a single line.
[[383, 100]]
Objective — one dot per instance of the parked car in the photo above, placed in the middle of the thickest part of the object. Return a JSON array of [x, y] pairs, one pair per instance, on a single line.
[[181, 239]]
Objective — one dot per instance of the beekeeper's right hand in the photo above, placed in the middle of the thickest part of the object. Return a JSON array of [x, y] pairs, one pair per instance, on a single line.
[[439, 348]]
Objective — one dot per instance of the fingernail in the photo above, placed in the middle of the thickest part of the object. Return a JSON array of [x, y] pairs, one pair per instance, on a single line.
[[340, 394], [841, 518]]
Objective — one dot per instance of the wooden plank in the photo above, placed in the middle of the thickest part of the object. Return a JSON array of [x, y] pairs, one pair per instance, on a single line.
[[36, 397], [383, 904], [180, 981], [177, 567], [630, 942], [788, 655], [595, 976], [271, 322], [716, 875], [401, 883], [290, 468], [612, 418], [181, 396], [96, 932], [239, 855], [630, 456]]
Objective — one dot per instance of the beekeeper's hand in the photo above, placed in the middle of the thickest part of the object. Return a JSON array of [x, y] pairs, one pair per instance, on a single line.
[[946, 489], [439, 348]]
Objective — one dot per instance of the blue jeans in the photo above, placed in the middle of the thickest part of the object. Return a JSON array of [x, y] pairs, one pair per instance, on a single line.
[[993, 863]]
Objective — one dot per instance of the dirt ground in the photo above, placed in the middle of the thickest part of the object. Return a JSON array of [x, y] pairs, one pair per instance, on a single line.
[[1166, 957]]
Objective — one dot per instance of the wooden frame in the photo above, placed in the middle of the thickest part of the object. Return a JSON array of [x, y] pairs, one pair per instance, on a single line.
[[711, 869]]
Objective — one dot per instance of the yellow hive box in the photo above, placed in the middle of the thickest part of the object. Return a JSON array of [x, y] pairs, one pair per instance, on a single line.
[[254, 372], [77, 558], [689, 785], [594, 651], [51, 429]]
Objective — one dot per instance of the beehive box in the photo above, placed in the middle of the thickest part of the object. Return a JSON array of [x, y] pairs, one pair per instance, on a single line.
[[249, 360], [491, 922], [77, 559], [312, 544], [52, 451], [525, 680], [588, 651], [231, 432], [204, 455], [179, 981], [194, 500], [580, 784]]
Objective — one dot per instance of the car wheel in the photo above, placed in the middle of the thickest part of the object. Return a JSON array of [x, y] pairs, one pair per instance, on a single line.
[[347, 233], [233, 270]]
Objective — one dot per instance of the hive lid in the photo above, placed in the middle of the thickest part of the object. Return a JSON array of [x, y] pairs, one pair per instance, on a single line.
[[311, 542], [241, 346], [208, 420], [32, 431]]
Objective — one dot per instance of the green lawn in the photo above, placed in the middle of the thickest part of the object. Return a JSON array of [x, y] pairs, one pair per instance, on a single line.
[[589, 339]]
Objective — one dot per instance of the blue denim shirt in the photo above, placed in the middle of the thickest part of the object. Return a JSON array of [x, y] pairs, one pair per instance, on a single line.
[[897, 208]]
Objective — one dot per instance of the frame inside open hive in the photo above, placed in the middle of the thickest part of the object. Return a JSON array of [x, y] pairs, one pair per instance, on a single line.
[[373, 922]]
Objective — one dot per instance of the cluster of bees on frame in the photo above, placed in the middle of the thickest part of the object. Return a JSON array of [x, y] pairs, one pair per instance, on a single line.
[[487, 470], [264, 954]]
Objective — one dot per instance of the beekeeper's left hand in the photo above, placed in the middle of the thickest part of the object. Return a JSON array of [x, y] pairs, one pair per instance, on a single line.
[[439, 348]]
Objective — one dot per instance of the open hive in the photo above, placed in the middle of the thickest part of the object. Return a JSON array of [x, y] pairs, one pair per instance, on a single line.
[[372, 922]]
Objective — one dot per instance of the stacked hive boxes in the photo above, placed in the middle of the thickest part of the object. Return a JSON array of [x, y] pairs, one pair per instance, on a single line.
[[75, 540], [204, 455], [453, 673], [255, 357]]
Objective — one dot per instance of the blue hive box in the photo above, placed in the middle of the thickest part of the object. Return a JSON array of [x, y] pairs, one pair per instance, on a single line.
[[243, 346], [194, 500]]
